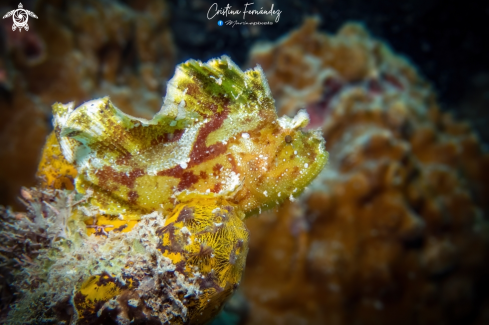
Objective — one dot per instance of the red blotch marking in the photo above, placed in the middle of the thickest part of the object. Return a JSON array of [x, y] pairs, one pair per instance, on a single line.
[[217, 188], [192, 90], [213, 107], [295, 171], [203, 174], [233, 163], [173, 172], [187, 178], [311, 149], [276, 131], [124, 160], [108, 175], [200, 152], [133, 196], [313, 155], [167, 137], [216, 169]]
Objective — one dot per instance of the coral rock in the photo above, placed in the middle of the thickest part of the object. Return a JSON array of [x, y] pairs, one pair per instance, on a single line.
[[395, 229], [78, 51]]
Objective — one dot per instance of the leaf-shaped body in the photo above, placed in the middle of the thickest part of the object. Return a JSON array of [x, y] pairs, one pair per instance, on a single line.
[[217, 132], [215, 153]]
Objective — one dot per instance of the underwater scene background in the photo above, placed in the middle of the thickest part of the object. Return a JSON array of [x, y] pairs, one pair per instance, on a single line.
[[393, 230]]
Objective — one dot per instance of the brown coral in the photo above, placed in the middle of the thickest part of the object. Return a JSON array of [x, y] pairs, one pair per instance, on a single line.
[[81, 50], [308, 67], [395, 229]]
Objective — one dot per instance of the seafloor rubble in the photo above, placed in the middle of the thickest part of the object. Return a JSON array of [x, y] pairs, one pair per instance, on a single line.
[[81, 50], [141, 221], [394, 230]]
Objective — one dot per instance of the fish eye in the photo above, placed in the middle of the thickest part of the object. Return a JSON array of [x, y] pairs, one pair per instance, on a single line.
[[288, 138]]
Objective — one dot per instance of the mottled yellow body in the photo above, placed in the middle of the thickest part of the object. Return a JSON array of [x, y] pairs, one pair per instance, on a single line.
[[54, 171], [214, 154], [95, 290], [217, 132]]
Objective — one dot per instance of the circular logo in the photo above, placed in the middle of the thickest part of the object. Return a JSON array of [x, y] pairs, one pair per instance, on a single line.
[[20, 17], [220, 23]]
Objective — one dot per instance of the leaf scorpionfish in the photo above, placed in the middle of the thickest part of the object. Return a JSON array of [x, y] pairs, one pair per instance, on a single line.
[[215, 154]]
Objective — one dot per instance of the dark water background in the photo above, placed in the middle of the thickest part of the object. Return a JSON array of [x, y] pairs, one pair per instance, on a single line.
[[446, 40]]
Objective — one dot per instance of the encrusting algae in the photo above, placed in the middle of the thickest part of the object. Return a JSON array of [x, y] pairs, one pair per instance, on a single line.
[[152, 210]]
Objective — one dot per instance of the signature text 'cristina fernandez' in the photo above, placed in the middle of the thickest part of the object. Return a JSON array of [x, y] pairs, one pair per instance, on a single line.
[[214, 10]]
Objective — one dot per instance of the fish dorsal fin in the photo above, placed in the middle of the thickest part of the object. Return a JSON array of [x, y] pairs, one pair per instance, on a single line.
[[217, 132], [198, 92], [211, 88]]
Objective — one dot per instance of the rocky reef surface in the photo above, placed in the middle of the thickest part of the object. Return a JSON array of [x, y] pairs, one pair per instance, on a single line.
[[81, 50], [395, 229]]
